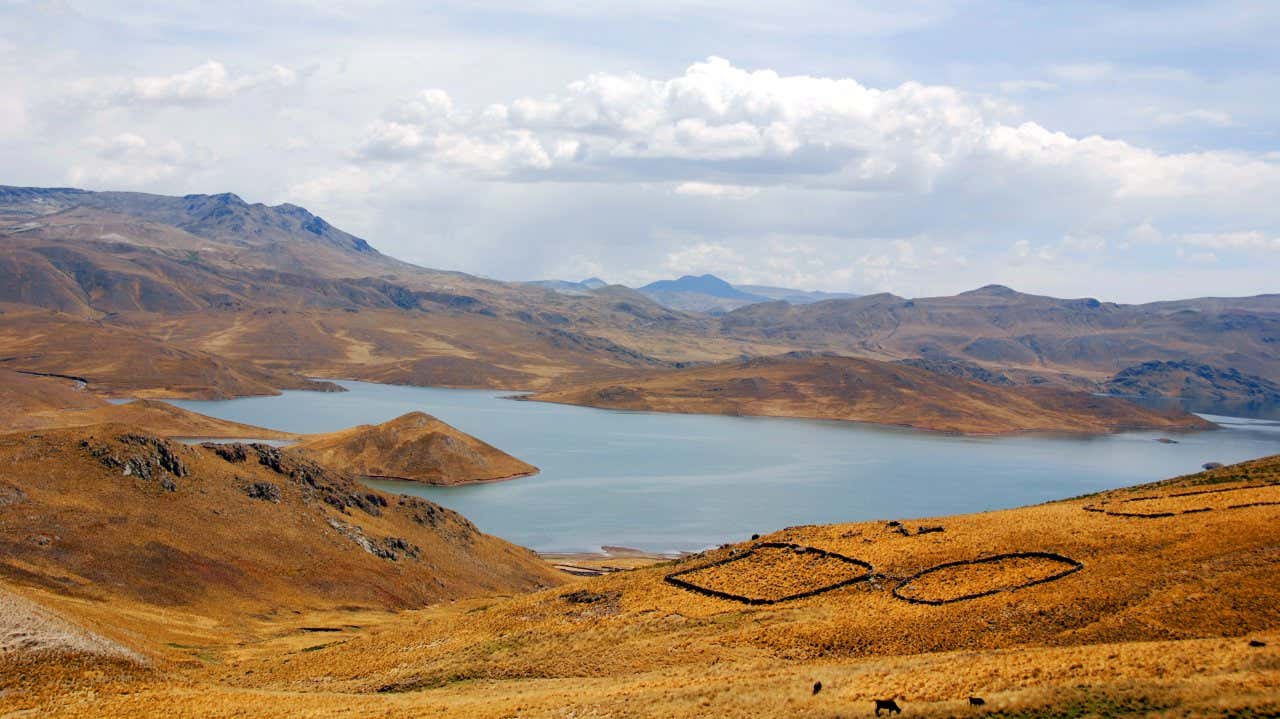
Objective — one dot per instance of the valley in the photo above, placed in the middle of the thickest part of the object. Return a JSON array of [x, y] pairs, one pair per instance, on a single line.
[[921, 499]]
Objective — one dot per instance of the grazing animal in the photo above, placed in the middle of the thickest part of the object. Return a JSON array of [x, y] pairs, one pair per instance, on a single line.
[[888, 705], [904, 531], [817, 687], [1257, 643], [976, 701], [928, 530], [755, 536], [895, 523]]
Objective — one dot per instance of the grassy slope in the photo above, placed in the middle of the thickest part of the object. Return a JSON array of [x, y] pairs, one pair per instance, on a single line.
[[34, 402], [99, 514], [414, 446], [1158, 618], [828, 387]]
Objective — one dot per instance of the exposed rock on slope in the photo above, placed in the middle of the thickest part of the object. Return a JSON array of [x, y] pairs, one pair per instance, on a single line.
[[1190, 380], [414, 446], [1044, 336], [828, 387], [106, 511]]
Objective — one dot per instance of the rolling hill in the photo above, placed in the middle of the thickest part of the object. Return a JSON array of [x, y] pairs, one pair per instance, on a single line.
[[415, 446], [215, 296], [845, 388], [1093, 606]]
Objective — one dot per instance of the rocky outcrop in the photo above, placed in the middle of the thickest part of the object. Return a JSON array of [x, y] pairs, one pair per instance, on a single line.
[[1192, 380]]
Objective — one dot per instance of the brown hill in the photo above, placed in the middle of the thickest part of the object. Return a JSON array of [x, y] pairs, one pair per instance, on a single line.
[[108, 513], [34, 402], [1066, 609], [1193, 381], [844, 388], [115, 360], [280, 288], [414, 446], [1030, 337]]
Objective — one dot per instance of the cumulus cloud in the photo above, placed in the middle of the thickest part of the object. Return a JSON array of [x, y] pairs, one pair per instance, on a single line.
[[130, 160], [207, 83], [719, 126]]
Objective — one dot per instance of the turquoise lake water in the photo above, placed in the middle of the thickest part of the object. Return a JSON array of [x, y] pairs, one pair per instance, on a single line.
[[667, 482]]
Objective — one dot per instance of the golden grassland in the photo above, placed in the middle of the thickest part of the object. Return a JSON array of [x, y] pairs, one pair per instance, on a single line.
[[964, 579], [1157, 622], [772, 573], [866, 390], [414, 446]]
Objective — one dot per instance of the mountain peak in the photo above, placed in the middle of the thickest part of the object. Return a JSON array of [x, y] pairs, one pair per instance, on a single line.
[[993, 291]]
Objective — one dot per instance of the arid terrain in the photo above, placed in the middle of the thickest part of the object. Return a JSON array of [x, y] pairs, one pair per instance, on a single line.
[[1057, 608], [144, 575], [211, 296], [416, 447], [844, 388]]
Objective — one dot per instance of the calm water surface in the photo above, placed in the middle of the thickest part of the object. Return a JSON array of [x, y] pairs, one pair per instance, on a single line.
[[665, 482]]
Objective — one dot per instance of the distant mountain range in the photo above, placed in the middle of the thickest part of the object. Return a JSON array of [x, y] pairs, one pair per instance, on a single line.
[[213, 296], [703, 293]]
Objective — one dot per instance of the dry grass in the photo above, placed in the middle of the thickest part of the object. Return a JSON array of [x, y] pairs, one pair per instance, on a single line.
[[769, 573], [970, 579], [415, 446], [1191, 502], [1156, 623], [864, 390]]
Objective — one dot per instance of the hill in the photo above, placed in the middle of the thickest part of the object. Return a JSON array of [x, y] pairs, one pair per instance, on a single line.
[[1192, 381], [1073, 608], [1031, 339], [279, 288], [215, 296], [844, 388], [116, 360], [705, 293], [794, 296], [415, 446], [106, 514]]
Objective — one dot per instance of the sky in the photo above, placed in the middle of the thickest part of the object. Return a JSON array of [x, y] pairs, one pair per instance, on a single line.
[[1128, 151]]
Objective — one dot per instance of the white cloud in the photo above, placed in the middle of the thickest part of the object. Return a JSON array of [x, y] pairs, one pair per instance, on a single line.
[[130, 160], [717, 122], [1214, 118], [714, 191], [1251, 240], [204, 84]]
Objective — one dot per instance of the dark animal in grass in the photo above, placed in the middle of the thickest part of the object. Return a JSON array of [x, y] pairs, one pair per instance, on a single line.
[[817, 687], [976, 701], [904, 531], [888, 705], [1257, 643], [928, 530], [755, 537], [895, 523]]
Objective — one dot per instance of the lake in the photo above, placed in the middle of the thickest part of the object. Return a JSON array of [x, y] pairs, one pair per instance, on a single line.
[[668, 482]]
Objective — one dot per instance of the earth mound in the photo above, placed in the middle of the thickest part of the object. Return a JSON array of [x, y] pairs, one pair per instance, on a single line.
[[417, 447]]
